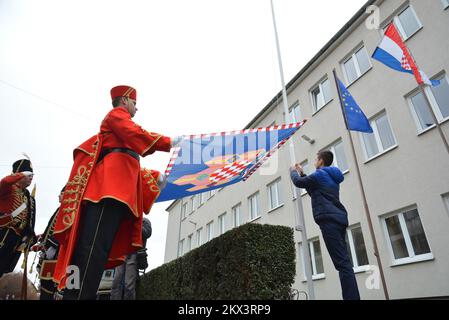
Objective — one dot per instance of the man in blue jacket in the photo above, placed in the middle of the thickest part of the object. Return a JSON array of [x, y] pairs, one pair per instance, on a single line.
[[323, 187]]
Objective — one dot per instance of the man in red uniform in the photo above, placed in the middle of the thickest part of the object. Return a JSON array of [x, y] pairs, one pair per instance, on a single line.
[[17, 214], [100, 218]]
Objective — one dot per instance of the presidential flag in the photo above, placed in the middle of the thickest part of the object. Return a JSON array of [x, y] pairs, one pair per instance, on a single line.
[[206, 162], [355, 118]]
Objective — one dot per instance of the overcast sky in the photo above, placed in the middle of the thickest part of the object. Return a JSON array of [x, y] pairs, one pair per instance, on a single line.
[[199, 66]]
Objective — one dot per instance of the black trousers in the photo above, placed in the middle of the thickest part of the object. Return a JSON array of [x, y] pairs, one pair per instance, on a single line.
[[9, 241], [98, 226], [334, 238]]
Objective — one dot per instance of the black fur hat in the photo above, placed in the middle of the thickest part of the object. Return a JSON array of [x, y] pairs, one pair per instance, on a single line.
[[22, 165]]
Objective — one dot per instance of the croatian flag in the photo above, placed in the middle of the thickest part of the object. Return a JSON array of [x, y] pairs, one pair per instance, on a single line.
[[393, 52]]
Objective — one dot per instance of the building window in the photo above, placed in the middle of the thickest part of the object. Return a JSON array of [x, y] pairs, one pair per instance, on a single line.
[[407, 22], [307, 170], [210, 230], [316, 259], [321, 94], [339, 155], [407, 239], [440, 95], [236, 215], [381, 140], [274, 194], [222, 223], [199, 241], [189, 242], [183, 210], [253, 204], [439, 100], [356, 247], [356, 65], [295, 113], [204, 197], [421, 112], [181, 248]]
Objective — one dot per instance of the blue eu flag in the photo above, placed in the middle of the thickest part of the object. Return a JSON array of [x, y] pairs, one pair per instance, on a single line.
[[355, 117]]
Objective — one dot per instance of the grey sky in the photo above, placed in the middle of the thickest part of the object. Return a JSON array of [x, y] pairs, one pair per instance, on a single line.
[[199, 66]]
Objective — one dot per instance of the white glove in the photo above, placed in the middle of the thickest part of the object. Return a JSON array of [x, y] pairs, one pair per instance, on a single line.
[[27, 173], [176, 141]]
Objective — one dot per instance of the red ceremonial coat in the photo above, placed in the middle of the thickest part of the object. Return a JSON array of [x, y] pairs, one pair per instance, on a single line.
[[11, 198], [117, 176]]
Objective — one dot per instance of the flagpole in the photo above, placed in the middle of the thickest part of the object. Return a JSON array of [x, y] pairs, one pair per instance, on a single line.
[[365, 202], [422, 88], [299, 214]]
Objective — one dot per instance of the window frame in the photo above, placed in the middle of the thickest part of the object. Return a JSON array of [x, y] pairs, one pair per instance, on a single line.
[[303, 191], [198, 237], [277, 187], [183, 210], [181, 248], [239, 206], [412, 257], [433, 104], [258, 215], [319, 85], [210, 231], [398, 24], [192, 204], [433, 100], [222, 223], [353, 56], [377, 138], [189, 242], [291, 112], [356, 266], [315, 275], [331, 148]]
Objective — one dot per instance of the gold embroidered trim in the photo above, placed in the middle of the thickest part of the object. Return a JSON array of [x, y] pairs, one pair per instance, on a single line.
[[135, 213]]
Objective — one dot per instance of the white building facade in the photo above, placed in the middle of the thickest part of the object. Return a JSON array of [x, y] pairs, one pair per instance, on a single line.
[[404, 164]]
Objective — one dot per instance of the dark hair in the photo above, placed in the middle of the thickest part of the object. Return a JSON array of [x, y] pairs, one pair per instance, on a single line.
[[326, 156], [117, 101]]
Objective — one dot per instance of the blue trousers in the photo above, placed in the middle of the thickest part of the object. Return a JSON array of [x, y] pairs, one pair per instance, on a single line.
[[334, 238]]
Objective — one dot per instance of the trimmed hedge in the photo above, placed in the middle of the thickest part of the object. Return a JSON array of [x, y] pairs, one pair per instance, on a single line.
[[250, 262]]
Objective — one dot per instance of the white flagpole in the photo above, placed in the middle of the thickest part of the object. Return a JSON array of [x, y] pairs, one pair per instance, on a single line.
[[299, 214]]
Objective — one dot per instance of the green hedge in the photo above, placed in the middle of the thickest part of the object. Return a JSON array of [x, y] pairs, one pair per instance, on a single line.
[[250, 262]]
